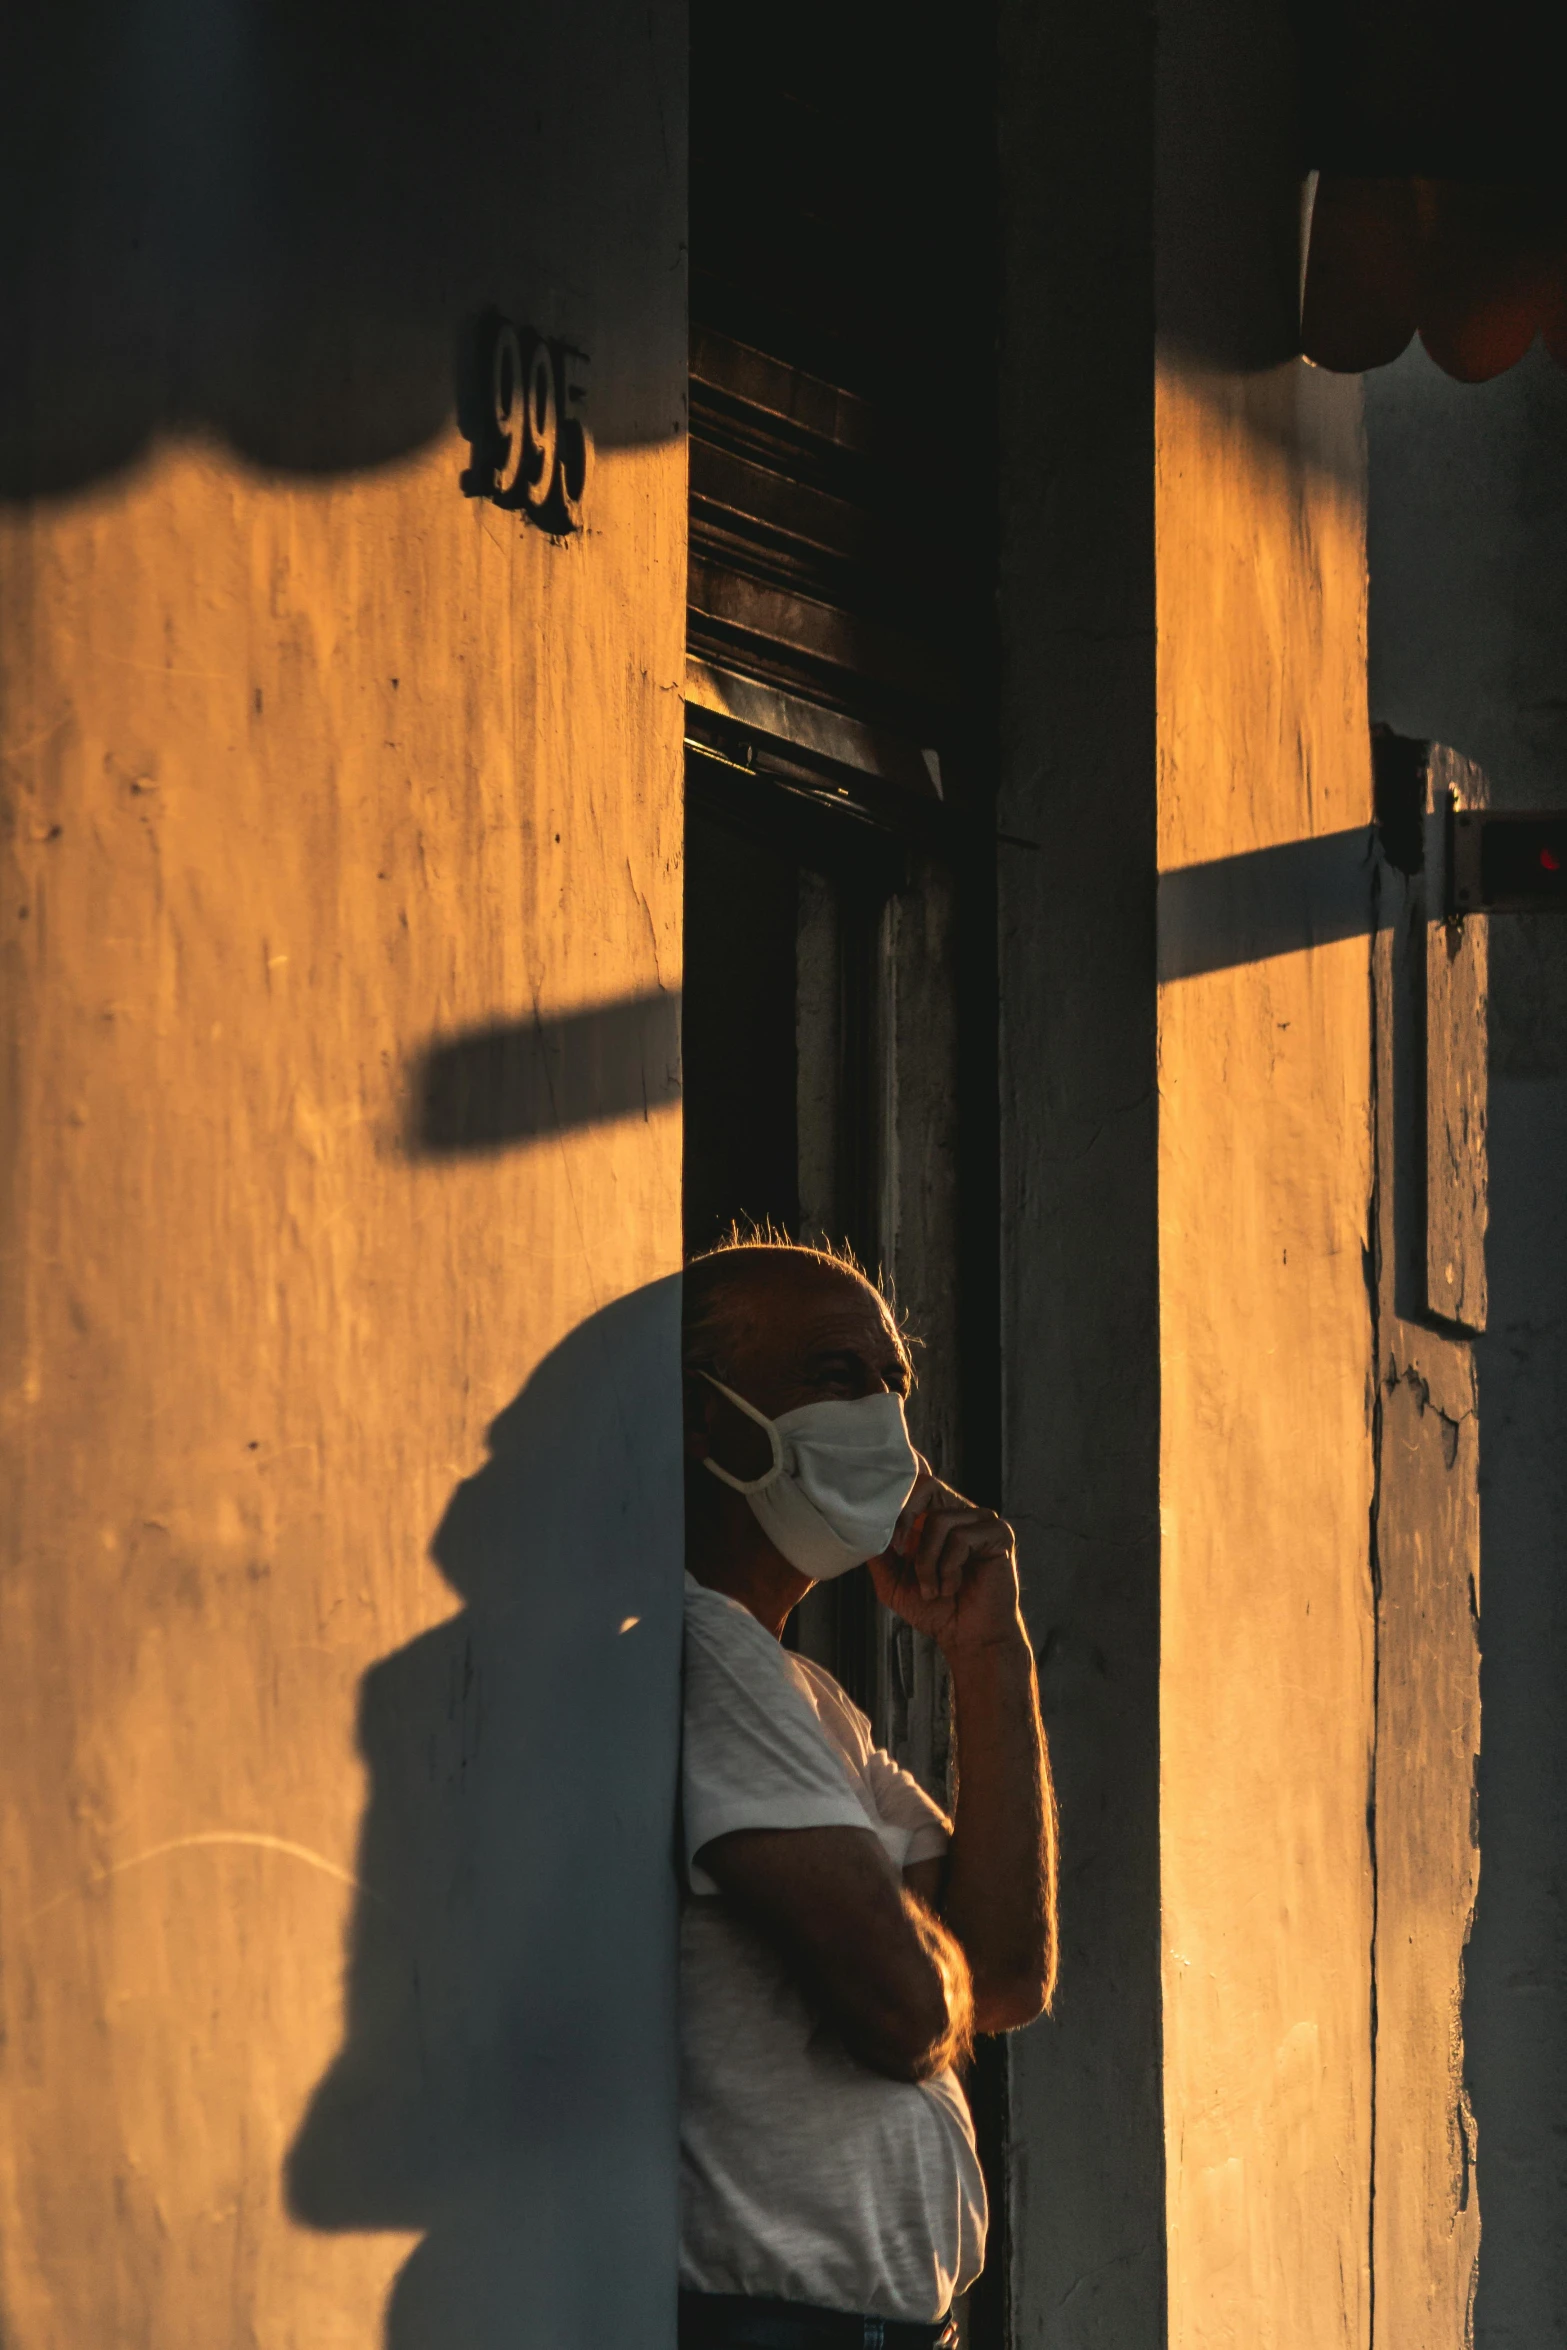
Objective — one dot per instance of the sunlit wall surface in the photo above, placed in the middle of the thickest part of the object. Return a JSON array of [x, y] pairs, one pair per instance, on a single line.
[[339, 806], [1266, 1481]]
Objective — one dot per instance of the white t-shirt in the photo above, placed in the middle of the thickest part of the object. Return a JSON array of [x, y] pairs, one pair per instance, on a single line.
[[804, 2175]]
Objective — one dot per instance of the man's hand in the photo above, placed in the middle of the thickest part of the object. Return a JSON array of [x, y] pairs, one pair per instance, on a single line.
[[950, 1569]]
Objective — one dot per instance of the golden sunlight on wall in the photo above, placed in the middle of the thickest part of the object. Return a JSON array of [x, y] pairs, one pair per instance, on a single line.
[[1265, 1177], [303, 781]]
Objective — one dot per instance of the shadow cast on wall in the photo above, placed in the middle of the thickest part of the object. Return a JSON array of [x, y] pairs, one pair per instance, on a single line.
[[1265, 902], [506, 2081], [268, 219], [517, 1079]]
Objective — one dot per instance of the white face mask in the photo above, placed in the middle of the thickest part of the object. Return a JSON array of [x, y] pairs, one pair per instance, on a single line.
[[842, 1471]]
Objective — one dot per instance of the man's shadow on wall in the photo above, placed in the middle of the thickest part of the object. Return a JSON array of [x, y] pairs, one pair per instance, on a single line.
[[506, 2081]]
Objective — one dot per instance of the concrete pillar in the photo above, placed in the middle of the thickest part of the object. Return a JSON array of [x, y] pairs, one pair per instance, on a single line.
[[1266, 1680], [1079, 1137]]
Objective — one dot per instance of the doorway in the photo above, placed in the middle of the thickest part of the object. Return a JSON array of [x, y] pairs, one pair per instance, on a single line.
[[840, 1000], [840, 1025]]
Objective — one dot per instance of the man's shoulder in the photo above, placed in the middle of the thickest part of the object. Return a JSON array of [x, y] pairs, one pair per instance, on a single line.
[[727, 1631], [759, 1750], [730, 1657], [720, 1623]]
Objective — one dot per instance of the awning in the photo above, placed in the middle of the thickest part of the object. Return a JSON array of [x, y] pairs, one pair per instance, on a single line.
[[1434, 127], [1478, 269]]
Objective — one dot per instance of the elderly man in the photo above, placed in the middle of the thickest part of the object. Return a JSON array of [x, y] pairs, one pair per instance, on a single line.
[[842, 1940]]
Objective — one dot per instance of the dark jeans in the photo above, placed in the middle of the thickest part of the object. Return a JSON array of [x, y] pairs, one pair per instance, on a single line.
[[732, 2321]]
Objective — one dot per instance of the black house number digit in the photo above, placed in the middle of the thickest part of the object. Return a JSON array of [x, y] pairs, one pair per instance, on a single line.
[[522, 405]]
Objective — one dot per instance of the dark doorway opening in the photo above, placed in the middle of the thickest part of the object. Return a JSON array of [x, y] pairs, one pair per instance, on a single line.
[[840, 1026]]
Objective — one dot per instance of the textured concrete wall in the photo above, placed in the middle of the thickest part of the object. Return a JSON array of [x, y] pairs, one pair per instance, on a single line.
[[1468, 545], [1188, 1178], [1429, 1059], [336, 1959]]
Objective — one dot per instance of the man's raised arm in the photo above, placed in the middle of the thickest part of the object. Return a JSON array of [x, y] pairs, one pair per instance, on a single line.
[[952, 1572]]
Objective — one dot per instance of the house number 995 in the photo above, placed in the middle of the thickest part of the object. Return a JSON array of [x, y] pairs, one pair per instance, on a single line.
[[523, 409]]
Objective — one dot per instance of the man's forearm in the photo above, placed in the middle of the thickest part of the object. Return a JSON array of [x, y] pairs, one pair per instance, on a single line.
[[867, 1952], [999, 1894]]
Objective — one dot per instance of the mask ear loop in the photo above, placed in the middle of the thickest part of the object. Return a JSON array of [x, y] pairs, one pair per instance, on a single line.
[[746, 1484]]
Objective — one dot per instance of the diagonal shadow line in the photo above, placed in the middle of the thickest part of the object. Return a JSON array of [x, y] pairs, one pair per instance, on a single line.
[[1277, 901], [519, 1079]]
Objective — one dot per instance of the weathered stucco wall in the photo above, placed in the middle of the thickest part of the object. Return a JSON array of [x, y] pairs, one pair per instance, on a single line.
[[1244, 1480], [1468, 543], [304, 780], [1267, 1628], [1428, 1228], [1186, 1111]]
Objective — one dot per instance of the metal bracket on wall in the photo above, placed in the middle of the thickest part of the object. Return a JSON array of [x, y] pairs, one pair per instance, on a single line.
[[1457, 1023], [1426, 796]]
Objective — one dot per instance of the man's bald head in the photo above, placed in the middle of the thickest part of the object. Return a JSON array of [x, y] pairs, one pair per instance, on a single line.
[[768, 1319]]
